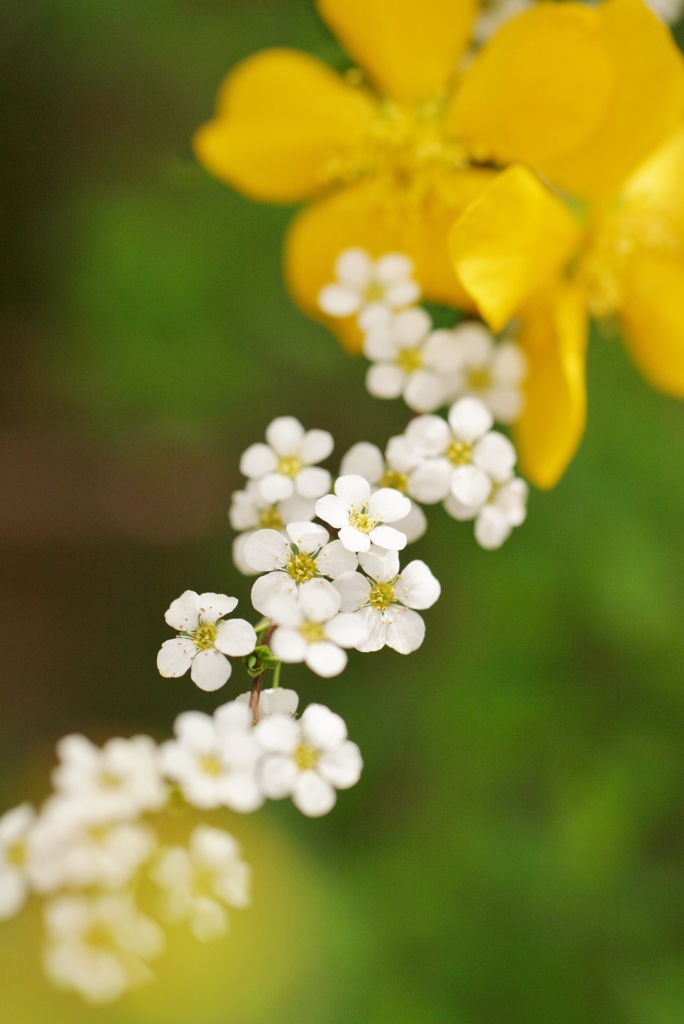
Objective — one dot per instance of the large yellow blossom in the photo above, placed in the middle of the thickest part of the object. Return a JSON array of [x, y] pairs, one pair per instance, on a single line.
[[519, 249], [392, 155]]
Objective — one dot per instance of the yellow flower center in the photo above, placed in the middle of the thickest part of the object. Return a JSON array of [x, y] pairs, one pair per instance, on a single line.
[[271, 519], [458, 453], [289, 465], [374, 292], [382, 595], [210, 765], [312, 632], [479, 379], [305, 757], [410, 359], [399, 481], [204, 636], [362, 522], [98, 935], [108, 780], [16, 854], [302, 568]]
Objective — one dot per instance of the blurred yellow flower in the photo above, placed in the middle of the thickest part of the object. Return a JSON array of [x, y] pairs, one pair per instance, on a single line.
[[393, 155]]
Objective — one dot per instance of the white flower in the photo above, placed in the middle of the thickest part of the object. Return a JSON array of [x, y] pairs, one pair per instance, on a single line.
[[295, 562], [204, 641], [360, 516], [15, 828], [472, 457], [67, 849], [369, 290], [307, 760], [493, 373], [366, 460], [249, 511], [387, 599], [408, 360], [505, 508], [98, 945], [200, 882], [495, 13], [310, 630], [669, 10], [213, 758], [287, 464], [117, 782], [278, 701]]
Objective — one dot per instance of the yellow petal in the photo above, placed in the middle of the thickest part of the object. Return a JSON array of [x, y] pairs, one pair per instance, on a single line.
[[410, 48], [653, 320], [538, 89], [554, 335], [655, 194], [283, 122], [511, 240], [379, 216]]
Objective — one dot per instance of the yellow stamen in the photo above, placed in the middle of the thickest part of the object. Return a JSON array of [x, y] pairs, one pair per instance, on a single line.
[[204, 636], [458, 453], [289, 465], [312, 632], [410, 359], [362, 522], [302, 568], [479, 379], [399, 481], [305, 757], [271, 519], [382, 595], [210, 764]]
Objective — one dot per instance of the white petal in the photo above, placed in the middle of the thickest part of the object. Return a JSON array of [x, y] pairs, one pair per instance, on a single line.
[[392, 268], [307, 536], [335, 559], [506, 402], [14, 824], [331, 510], [470, 419], [509, 364], [363, 459], [195, 730], [442, 353], [405, 630], [354, 267], [380, 345], [275, 487], [243, 513], [257, 461], [353, 589], [388, 505], [414, 525], [492, 528], [323, 728], [470, 485], [285, 610], [313, 482], [175, 657], [476, 343], [183, 613], [375, 317], [428, 435], [271, 587], [376, 630], [347, 630], [278, 734], [274, 702], [352, 490], [238, 552], [210, 670], [233, 717], [404, 293], [312, 795], [285, 435], [236, 637], [277, 776], [381, 565], [385, 380], [240, 792], [316, 445], [424, 391], [417, 587], [267, 550], [353, 539], [338, 300], [511, 498], [431, 481], [495, 455], [401, 455], [215, 606], [459, 511], [288, 645], [388, 537], [297, 509], [411, 326], [342, 766], [13, 893], [326, 660], [318, 600]]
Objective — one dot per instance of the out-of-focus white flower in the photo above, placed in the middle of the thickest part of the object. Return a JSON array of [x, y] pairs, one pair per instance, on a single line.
[[278, 701], [369, 289], [298, 561], [410, 360], [310, 630], [98, 945], [473, 457], [249, 511], [495, 13], [308, 760], [360, 515], [286, 466], [200, 882], [388, 599], [15, 829], [117, 782], [483, 369], [669, 10], [213, 758], [505, 508], [204, 641], [69, 850]]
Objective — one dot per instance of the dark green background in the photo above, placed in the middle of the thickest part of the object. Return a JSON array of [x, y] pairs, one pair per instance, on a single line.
[[514, 853]]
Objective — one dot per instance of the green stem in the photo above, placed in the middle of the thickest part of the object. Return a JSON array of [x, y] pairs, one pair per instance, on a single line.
[[276, 675]]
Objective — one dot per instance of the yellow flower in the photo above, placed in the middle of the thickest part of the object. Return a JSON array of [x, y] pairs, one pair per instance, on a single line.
[[519, 249], [391, 156]]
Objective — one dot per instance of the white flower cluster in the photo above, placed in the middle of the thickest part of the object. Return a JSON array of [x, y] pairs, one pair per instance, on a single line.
[[429, 368], [91, 843]]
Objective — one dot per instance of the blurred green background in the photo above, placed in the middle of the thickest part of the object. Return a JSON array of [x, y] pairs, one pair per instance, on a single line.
[[514, 853]]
